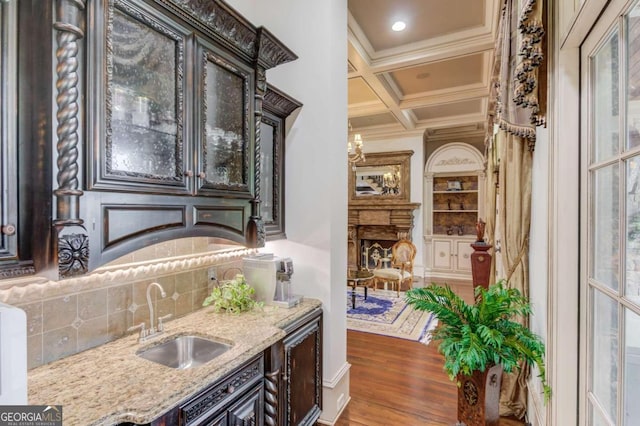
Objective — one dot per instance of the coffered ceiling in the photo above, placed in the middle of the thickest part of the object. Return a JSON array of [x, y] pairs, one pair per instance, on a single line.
[[432, 77]]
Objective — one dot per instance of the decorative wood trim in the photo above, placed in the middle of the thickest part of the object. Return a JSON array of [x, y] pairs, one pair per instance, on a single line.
[[256, 234], [223, 390], [271, 391], [73, 255], [72, 238], [69, 30], [279, 102], [220, 21], [271, 52], [17, 270]]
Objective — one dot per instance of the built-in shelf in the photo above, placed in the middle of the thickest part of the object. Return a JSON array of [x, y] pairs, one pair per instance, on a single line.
[[456, 211], [457, 192]]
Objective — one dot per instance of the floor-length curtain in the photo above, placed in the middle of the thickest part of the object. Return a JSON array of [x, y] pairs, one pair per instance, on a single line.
[[490, 201], [514, 221], [517, 105]]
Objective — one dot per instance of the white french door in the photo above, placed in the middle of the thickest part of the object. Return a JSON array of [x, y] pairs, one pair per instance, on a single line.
[[610, 228]]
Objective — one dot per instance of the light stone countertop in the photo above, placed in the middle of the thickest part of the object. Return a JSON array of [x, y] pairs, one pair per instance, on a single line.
[[109, 384]]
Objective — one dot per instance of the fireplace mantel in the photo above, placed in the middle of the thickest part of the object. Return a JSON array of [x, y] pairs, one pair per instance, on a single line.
[[378, 221]]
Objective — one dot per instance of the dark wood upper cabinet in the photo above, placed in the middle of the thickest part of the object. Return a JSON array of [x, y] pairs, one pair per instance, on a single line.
[[26, 131], [11, 263], [277, 107], [151, 135]]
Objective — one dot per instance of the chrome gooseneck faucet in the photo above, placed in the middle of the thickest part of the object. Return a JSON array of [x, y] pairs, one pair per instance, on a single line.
[[144, 333], [152, 327]]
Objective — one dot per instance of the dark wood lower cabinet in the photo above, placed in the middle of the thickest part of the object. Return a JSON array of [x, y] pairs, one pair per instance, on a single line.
[[248, 411], [293, 379], [237, 400]]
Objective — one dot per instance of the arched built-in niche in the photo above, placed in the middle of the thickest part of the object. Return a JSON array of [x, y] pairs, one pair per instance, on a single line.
[[453, 199]]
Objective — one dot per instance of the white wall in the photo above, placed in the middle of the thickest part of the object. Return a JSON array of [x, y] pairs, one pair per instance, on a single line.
[[316, 161], [415, 144]]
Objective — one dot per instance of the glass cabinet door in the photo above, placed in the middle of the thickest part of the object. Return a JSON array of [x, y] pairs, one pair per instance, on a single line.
[[143, 141], [225, 123]]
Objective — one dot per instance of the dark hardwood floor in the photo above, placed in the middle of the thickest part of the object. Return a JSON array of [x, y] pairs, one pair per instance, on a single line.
[[396, 382]]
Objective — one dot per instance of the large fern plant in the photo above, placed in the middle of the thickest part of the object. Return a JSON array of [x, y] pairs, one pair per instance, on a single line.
[[476, 337]]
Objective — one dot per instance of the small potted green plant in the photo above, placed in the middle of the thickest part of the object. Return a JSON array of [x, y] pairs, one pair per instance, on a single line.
[[478, 341], [233, 296]]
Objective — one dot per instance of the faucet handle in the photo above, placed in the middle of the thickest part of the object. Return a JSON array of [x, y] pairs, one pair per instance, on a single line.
[[162, 318], [141, 327]]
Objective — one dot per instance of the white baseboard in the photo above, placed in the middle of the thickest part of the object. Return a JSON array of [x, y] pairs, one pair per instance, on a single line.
[[335, 396]]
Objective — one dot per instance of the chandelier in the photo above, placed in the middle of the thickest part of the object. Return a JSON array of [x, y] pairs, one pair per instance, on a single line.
[[355, 153]]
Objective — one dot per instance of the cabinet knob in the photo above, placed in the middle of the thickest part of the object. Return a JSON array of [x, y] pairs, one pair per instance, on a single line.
[[466, 256], [188, 173], [9, 229], [202, 175]]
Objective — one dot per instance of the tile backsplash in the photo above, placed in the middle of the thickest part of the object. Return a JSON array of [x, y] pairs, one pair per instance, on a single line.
[[63, 320]]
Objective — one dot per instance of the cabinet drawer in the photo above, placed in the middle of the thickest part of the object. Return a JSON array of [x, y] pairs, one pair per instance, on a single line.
[[212, 400]]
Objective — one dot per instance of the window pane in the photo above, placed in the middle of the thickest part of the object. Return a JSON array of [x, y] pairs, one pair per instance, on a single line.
[[631, 369], [605, 99], [633, 229], [633, 76], [596, 418], [604, 351], [605, 227]]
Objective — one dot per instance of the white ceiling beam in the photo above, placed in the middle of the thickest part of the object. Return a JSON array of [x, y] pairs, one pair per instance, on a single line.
[[367, 108], [456, 94], [453, 121]]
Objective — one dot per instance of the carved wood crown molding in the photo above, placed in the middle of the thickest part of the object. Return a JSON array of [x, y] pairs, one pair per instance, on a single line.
[[279, 103], [220, 21], [271, 51]]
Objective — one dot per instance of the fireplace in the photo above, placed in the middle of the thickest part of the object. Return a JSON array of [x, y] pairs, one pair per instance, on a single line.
[[382, 223], [373, 252]]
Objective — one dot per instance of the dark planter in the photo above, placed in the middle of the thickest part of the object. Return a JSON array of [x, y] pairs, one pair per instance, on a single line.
[[479, 397]]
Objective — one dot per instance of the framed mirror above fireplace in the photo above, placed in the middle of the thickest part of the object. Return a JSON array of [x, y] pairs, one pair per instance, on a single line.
[[384, 214], [382, 176]]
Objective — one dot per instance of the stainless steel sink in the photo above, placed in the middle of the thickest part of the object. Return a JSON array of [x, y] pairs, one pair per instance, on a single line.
[[184, 352]]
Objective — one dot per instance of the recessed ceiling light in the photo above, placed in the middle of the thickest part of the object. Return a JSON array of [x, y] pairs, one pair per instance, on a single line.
[[399, 26]]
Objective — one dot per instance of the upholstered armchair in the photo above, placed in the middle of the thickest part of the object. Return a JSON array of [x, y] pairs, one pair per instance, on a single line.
[[401, 271]]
